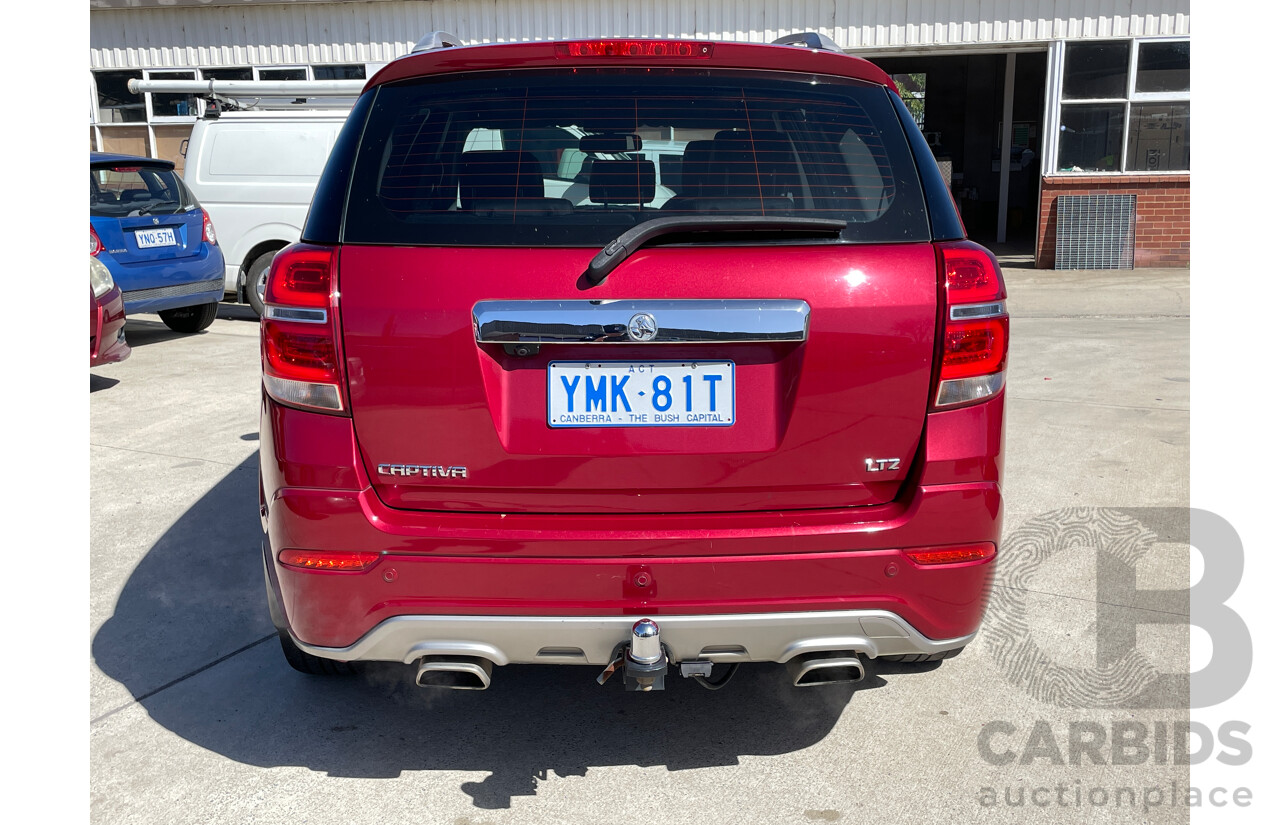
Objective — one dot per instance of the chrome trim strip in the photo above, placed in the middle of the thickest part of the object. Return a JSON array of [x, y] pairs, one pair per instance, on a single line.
[[741, 637], [969, 312], [606, 322], [299, 315]]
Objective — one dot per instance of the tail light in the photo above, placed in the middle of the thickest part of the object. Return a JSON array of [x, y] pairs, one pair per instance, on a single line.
[[342, 562], [210, 237], [975, 338], [952, 555], [692, 49], [95, 245], [301, 354]]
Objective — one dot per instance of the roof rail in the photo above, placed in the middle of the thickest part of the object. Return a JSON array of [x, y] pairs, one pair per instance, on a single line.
[[808, 40], [436, 40]]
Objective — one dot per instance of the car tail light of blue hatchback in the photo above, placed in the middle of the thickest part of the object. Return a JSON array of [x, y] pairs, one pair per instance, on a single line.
[[149, 231]]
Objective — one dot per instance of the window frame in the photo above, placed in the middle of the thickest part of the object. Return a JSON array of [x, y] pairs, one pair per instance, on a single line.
[[1060, 103], [167, 74]]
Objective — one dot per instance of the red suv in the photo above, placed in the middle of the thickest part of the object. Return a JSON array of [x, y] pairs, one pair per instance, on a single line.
[[523, 404]]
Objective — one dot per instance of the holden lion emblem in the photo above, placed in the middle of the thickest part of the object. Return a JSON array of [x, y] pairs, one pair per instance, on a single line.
[[642, 327]]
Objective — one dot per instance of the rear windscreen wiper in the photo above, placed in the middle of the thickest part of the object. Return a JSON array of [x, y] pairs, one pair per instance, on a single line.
[[617, 250]]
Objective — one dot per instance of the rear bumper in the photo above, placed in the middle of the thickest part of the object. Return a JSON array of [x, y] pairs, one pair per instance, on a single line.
[[769, 583], [106, 333], [173, 297], [592, 640]]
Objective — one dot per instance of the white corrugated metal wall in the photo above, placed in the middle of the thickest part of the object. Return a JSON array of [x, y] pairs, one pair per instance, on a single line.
[[374, 32]]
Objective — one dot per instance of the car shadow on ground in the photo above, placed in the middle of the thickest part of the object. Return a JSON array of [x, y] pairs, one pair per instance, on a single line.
[[101, 382], [143, 330], [197, 598]]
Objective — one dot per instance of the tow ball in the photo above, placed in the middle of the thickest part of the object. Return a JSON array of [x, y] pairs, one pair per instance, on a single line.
[[643, 661]]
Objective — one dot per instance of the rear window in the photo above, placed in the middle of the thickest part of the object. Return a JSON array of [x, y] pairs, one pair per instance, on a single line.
[[125, 189], [550, 158]]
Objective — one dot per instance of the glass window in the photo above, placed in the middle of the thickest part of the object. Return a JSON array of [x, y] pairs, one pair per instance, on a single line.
[[177, 105], [116, 104], [235, 73], [1096, 70], [282, 74], [1124, 111], [911, 90], [128, 189], [1090, 138], [1164, 67], [354, 71], [431, 169], [1159, 137]]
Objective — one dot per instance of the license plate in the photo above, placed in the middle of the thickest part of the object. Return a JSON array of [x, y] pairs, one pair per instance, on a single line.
[[150, 238], [640, 394]]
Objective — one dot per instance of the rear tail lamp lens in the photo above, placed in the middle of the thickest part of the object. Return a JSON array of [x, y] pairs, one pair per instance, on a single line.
[[691, 49], [952, 555], [209, 235], [975, 347], [95, 245], [301, 354], [340, 562], [975, 339], [301, 278]]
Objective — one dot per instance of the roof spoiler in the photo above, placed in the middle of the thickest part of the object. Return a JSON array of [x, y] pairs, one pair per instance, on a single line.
[[808, 40]]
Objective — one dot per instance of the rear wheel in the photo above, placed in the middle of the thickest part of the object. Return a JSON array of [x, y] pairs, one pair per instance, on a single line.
[[255, 282], [189, 319], [304, 662], [921, 658]]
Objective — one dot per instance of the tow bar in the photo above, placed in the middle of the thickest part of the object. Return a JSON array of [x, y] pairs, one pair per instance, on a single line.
[[643, 660]]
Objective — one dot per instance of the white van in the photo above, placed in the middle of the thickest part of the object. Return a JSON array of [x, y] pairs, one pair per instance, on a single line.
[[255, 173]]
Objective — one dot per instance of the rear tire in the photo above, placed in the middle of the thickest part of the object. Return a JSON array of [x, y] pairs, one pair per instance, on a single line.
[[256, 280], [304, 662], [921, 658], [189, 319]]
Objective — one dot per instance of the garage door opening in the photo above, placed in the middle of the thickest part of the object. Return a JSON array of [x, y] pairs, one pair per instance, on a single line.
[[960, 103]]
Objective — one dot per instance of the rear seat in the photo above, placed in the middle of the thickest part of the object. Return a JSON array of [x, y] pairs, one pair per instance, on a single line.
[[505, 182], [623, 182], [738, 172]]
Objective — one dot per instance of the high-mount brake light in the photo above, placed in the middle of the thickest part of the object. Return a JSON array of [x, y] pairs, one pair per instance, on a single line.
[[975, 340], [301, 354], [95, 244], [691, 49], [952, 555]]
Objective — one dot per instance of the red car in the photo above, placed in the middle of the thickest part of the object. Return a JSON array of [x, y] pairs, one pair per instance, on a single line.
[[754, 415], [106, 317]]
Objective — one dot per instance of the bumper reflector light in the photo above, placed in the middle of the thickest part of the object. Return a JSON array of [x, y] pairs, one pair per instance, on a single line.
[[350, 562], [952, 555]]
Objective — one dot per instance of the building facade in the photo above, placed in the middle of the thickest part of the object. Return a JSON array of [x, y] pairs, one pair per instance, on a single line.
[[1028, 104]]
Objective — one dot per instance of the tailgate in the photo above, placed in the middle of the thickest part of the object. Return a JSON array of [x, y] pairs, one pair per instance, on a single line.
[[445, 422]]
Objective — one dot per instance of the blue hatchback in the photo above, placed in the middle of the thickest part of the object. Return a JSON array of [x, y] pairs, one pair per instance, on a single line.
[[159, 245]]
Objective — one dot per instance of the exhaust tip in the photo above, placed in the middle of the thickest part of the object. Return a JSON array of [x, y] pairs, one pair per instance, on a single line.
[[827, 668], [454, 673]]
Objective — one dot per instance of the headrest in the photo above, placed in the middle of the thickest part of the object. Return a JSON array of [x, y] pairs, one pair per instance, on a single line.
[[623, 181]]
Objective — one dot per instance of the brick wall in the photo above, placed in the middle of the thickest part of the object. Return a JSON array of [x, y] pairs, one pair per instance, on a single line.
[[1163, 221]]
